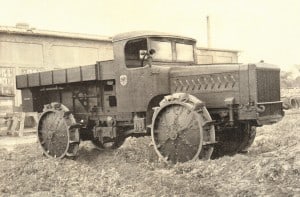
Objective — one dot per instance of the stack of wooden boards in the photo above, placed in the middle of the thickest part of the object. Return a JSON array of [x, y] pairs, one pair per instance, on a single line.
[[18, 123]]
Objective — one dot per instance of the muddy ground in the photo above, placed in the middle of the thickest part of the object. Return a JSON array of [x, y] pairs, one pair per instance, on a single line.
[[271, 168]]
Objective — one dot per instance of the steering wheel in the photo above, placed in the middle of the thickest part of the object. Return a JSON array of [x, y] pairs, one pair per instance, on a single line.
[[151, 52], [143, 59]]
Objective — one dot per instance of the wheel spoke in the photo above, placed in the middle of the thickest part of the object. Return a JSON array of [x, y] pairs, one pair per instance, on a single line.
[[185, 151], [167, 150], [162, 134], [191, 137]]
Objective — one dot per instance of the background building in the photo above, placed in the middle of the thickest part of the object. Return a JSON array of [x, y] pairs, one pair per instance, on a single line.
[[216, 56], [26, 50]]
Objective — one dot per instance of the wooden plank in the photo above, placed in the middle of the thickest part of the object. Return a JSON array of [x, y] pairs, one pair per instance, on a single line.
[[21, 123], [16, 122], [89, 73], [74, 75], [34, 79], [59, 76], [21, 81], [46, 78]]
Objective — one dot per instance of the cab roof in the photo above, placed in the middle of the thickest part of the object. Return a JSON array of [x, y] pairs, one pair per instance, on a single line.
[[141, 34]]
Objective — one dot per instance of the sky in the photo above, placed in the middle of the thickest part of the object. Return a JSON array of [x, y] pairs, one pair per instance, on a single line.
[[266, 30]]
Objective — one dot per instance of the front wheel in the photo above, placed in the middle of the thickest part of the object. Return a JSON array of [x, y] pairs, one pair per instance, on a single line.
[[181, 129]]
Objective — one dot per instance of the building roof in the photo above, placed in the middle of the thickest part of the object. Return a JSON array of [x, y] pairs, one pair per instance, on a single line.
[[26, 30], [217, 49], [138, 34]]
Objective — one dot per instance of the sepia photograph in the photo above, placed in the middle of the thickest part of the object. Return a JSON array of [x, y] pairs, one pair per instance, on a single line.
[[150, 98]]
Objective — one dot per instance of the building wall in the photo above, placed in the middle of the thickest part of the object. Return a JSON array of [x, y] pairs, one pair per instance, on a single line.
[[216, 56], [21, 54]]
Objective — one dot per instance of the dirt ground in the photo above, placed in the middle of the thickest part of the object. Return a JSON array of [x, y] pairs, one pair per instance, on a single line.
[[271, 168], [10, 142]]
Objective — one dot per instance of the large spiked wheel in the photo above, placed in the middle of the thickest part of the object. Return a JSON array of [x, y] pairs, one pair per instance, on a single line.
[[182, 130], [58, 132]]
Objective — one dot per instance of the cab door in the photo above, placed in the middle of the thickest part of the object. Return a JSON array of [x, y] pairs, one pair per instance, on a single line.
[[134, 80]]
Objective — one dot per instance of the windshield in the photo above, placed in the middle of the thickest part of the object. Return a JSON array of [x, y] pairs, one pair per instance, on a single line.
[[166, 51], [163, 50]]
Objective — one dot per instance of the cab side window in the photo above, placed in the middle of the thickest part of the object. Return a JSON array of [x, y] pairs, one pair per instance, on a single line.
[[132, 49]]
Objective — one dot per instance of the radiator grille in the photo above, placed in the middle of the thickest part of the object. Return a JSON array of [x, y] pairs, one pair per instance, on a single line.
[[268, 85], [268, 90]]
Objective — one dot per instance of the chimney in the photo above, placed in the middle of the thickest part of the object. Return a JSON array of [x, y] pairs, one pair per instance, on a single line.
[[208, 32]]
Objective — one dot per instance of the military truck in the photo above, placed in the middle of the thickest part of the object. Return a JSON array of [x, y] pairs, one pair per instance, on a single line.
[[153, 87]]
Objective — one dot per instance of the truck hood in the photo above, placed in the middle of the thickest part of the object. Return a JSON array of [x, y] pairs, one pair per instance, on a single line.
[[196, 70], [209, 83]]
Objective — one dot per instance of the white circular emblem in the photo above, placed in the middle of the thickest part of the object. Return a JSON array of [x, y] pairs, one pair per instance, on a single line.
[[123, 80]]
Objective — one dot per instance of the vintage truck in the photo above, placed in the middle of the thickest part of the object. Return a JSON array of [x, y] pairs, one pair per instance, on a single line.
[[153, 86]]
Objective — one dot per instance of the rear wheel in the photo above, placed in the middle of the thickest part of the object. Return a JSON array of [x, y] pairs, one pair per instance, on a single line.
[[248, 138], [232, 141], [58, 132], [182, 130]]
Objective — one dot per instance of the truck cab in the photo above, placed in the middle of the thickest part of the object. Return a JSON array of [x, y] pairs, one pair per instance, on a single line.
[[141, 75]]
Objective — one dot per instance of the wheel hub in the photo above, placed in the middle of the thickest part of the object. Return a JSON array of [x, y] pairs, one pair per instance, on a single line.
[[173, 135]]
